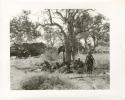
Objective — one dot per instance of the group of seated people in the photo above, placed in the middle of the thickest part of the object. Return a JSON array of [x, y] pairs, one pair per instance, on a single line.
[[88, 65]]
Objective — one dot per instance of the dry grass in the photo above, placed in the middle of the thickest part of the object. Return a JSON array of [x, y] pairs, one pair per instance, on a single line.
[[23, 79], [44, 82]]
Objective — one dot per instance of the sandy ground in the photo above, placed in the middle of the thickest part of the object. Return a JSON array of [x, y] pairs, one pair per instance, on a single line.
[[81, 81], [100, 79]]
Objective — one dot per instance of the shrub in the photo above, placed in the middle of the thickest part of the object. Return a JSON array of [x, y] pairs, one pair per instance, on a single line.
[[26, 49], [51, 55], [63, 69], [45, 82]]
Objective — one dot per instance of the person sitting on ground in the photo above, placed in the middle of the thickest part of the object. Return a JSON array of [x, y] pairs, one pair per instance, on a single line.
[[89, 62], [48, 66], [75, 64], [62, 64], [80, 63], [57, 65]]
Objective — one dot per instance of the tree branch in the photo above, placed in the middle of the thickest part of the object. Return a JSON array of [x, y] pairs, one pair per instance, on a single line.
[[75, 12], [66, 13], [50, 17], [60, 27], [62, 17], [55, 24]]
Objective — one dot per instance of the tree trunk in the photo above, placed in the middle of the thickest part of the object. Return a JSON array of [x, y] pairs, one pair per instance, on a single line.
[[86, 46], [95, 42], [68, 50], [73, 41], [63, 56]]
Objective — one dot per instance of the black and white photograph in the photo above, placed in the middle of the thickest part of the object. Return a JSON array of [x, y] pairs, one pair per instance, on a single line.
[[59, 49], [62, 49]]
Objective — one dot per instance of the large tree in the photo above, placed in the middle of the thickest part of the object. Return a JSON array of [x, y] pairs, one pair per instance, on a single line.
[[66, 26], [74, 22]]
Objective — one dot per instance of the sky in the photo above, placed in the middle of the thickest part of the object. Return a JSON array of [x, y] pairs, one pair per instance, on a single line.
[[102, 7], [36, 12]]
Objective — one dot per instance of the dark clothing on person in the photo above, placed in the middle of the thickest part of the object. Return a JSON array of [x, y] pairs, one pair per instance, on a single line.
[[89, 63]]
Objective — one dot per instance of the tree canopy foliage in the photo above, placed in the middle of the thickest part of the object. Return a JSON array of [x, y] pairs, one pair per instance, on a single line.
[[22, 29]]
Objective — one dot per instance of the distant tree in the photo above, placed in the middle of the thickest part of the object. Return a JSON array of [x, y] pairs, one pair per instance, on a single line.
[[94, 26], [52, 35], [22, 29]]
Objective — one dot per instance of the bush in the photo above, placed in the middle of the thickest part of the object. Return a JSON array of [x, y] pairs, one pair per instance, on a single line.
[[63, 69], [103, 43], [45, 82], [26, 49], [51, 55], [35, 49]]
